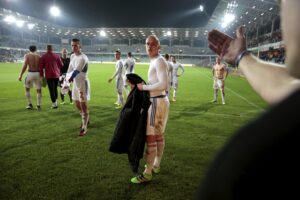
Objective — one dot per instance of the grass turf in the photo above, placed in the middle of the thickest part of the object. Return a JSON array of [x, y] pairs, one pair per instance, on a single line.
[[42, 157]]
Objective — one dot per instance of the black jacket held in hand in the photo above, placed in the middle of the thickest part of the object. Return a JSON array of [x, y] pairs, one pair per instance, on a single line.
[[130, 132]]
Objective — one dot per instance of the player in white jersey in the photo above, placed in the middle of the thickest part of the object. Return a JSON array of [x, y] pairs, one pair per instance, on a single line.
[[170, 74], [31, 60], [176, 66], [119, 79], [220, 73], [78, 70], [129, 65], [158, 110]]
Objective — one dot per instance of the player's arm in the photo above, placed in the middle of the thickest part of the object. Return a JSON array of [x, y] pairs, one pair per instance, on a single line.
[[81, 64], [25, 65], [118, 71], [271, 81], [182, 70], [162, 76], [226, 71]]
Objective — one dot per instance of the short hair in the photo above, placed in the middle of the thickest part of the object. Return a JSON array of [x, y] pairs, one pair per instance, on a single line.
[[32, 48], [75, 40], [49, 47], [155, 37], [117, 51], [129, 54], [63, 49], [167, 56]]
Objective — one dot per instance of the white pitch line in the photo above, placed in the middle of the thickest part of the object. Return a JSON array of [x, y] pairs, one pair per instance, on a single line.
[[210, 113]]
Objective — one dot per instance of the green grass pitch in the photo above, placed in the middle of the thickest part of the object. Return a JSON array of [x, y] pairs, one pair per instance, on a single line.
[[42, 157]]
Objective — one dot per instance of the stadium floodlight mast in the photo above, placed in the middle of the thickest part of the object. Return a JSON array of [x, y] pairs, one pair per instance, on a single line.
[[55, 11]]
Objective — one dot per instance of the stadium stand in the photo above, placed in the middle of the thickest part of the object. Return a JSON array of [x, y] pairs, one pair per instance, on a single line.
[[188, 44]]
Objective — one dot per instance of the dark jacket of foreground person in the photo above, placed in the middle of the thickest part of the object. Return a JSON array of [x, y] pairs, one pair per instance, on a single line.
[[261, 161], [130, 132]]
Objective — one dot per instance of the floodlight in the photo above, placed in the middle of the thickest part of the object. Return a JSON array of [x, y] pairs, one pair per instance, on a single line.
[[20, 23], [201, 8], [10, 19], [30, 26], [102, 33], [169, 33], [228, 18], [55, 11]]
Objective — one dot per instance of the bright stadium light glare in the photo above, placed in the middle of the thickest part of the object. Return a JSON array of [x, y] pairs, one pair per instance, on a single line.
[[102, 33], [169, 33], [10, 19], [20, 23], [30, 26], [228, 18], [55, 11], [201, 8]]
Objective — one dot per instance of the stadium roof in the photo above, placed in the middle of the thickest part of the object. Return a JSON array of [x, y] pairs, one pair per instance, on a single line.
[[246, 12], [118, 13]]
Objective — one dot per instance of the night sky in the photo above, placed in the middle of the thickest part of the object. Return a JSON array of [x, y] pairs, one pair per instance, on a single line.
[[118, 13]]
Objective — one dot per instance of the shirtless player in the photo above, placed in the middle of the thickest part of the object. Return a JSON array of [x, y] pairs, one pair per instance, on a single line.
[[31, 60], [220, 73]]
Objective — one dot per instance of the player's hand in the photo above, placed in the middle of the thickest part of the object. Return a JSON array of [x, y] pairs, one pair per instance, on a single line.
[[225, 46], [140, 86], [109, 80], [20, 78]]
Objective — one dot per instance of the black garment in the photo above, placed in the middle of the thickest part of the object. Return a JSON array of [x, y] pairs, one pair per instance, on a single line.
[[130, 132], [52, 85], [64, 68], [261, 161]]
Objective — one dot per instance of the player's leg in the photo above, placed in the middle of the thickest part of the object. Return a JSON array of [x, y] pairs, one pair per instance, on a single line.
[[29, 100], [51, 87], [160, 125], [175, 90], [222, 86], [85, 118], [215, 87], [28, 85], [39, 98], [70, 96], [120, 87], [151, 146]]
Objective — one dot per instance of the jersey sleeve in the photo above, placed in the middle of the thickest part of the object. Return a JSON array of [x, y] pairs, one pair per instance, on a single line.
[[118, 70], [162, 76]]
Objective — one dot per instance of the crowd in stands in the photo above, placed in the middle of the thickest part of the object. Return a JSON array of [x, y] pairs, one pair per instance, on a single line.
[[276, 56], [265, 39]]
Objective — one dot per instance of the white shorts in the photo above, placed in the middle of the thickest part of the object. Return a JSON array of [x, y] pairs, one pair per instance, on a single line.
[[33, 78], [81, 91], [119, 85], [157, 116], [218, 84]]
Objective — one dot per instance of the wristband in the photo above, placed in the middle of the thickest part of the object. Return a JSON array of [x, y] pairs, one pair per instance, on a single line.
[[240, 56]]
